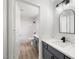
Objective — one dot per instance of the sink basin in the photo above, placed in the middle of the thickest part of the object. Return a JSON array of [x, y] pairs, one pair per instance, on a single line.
[[62, 44]]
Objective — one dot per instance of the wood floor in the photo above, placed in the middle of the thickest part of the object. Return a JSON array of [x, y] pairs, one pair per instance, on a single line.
[[27, 51]]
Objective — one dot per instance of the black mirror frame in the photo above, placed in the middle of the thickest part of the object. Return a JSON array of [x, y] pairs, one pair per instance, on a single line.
[[74, 22]]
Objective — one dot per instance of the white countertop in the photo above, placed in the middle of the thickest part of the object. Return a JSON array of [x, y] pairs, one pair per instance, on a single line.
[[66, 48]]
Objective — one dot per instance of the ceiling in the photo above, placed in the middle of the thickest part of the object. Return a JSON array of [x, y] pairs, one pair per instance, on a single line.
[[28, 10]]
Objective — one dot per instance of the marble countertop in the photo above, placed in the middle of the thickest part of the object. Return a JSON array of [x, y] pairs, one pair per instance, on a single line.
[[66, 48]]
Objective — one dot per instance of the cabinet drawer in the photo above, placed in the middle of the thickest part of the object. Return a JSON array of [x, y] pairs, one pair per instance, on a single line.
[[45, 45], [58, 54]]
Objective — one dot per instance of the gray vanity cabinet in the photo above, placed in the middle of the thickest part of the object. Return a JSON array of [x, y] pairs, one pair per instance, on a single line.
[[51, 53]]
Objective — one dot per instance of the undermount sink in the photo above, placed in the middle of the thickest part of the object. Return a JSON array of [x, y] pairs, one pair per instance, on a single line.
[[62, 44]]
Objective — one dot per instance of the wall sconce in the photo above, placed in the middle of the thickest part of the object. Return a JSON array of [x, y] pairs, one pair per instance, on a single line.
[[63, 2], [61, 6]]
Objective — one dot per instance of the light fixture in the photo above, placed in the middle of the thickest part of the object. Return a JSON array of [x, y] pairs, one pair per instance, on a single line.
[[63, 2]]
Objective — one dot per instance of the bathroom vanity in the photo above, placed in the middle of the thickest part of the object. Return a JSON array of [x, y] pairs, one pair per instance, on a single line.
[[52, 50]]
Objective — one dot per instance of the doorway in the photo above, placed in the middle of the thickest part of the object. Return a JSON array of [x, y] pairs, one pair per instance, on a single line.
[[26, 27]]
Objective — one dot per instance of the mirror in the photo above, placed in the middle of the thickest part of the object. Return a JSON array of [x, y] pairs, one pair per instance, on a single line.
[[67, 22]]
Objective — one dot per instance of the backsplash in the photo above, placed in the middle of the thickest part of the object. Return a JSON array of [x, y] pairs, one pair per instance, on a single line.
[[69, 37]]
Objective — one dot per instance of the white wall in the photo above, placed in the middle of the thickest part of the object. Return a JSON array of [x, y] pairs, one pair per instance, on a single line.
[[46, 18], [37, 26], [46, 22], [27, 28]]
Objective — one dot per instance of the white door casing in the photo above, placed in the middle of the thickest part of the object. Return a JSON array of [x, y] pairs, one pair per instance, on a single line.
[[11, 28]]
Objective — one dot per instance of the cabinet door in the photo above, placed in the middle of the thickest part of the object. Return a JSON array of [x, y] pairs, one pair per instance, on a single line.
[[55, 57], [47, 54], [45, 45], [58, 54]]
